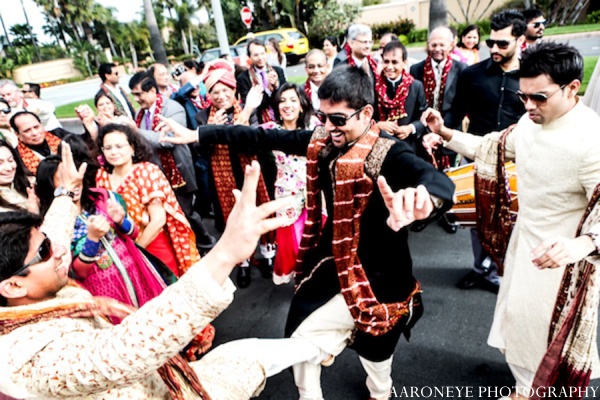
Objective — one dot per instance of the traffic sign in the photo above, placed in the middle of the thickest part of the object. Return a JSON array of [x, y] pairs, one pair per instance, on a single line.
[[246, 14]]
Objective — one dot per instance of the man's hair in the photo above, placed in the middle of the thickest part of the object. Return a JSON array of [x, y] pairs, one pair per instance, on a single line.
[[391, 35], [256, 42], [15, 233], [315, 51], [513, 18], [8, 82], [105, 69], [358, 29], [349, 84], [13, 119], [532, 13], [561, 62], [35, 88], [393, 45], [146, 79]]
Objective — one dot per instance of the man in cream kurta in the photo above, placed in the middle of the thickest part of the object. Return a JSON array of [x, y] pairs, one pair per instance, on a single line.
[[556, 147]]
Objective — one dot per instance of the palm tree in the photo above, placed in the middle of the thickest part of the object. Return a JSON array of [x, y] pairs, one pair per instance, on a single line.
[[35, 47], [438, 14], [157, 43]]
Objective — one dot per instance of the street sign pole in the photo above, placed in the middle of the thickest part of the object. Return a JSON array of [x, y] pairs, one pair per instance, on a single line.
[[220, 26]]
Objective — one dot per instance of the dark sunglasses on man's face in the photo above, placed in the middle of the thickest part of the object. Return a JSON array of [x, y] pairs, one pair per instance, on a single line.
[[43, 254], [538, 98], [5, 111], [502, 44], [537, 24], [336, 119]]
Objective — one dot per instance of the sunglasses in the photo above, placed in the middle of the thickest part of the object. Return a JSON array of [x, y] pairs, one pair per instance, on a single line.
[[6, 111], [537, 24], [43, 254], [538, 98], [336, 119], [502, 44]]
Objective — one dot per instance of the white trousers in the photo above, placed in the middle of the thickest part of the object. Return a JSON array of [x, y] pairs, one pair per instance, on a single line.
[[330, 328]]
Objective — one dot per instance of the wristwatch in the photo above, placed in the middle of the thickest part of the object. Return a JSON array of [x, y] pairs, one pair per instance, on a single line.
[[61, 191]]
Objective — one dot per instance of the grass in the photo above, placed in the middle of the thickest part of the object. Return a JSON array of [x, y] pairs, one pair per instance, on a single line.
[[555, 30], [589, 63], [68, 110]]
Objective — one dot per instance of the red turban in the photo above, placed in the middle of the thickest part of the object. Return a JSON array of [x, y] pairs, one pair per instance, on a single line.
[[220, 72]]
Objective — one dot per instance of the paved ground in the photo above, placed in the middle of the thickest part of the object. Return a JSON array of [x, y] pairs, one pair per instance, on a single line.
[[447, 349]]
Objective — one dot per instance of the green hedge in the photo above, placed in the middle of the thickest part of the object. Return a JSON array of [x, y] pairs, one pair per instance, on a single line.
[[402, 26]]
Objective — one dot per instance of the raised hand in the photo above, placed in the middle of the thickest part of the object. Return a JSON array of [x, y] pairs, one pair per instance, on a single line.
[[115, 211], [433, 120], [255, 97], [405, 205], [98, 226], [175, 133], [68, 175]]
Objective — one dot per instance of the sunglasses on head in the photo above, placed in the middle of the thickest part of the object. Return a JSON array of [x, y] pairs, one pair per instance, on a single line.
[[502, 44], [537, 24], [538, 98], [43, 254], [336, 119]]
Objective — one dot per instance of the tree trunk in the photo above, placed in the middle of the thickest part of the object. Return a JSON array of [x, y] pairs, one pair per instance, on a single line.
[[156, 40], [438, 14], [184, 43]]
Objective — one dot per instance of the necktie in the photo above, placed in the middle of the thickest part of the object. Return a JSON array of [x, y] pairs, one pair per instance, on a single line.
[[265, 82], [438, 84], [148, 120]]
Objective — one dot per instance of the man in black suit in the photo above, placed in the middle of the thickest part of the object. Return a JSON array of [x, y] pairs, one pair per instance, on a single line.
[[439, 75], [109, 74], [260, 73], [400, 97]]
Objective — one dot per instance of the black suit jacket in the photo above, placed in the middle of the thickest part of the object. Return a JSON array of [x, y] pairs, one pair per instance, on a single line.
[[244, 84], [417, 71]]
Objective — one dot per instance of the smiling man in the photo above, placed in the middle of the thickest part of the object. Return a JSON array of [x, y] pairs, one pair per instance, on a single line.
[[400, 97], [556, 146], [354, 279], [315, 64], [35, 143]]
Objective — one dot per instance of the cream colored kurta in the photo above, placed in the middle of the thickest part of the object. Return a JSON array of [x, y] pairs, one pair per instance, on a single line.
[[558, 166]]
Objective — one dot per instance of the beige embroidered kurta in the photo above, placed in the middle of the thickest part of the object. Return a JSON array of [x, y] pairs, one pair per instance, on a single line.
[[558, 166]]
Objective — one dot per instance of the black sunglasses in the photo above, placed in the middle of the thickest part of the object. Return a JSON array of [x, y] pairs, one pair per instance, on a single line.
[[537, 24], [538, 98], [502, 44], [336, 119], [43, 254], [6, 111]]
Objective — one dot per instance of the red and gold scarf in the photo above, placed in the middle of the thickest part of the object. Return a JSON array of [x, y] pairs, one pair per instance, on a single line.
[[224, 178], [429, 82], [393, 109], [353, 189], [30, 158], [372, 62], [267, 114], [175, 373], [308, 90], [166, 156]]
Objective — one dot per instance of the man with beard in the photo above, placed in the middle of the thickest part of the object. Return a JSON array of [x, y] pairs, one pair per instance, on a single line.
[[547, 286], [487, 93], [354, 283], [536, 23]]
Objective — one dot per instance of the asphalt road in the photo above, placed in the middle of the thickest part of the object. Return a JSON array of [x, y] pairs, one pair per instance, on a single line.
[[80, 91], [447, 351]]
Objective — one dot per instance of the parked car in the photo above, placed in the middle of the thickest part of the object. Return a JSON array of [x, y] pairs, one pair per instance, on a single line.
[[238, 53], [292, 42]]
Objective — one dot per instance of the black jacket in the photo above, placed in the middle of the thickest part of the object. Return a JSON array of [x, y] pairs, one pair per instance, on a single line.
[[244, 84]]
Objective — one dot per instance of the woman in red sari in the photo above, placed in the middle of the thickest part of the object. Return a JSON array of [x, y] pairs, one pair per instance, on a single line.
[[151, 202]]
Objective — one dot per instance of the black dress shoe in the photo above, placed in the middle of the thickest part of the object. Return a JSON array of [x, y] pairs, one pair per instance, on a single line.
[[243, 278], [449, 227], [475, 280], [418, 226], [265, 266]]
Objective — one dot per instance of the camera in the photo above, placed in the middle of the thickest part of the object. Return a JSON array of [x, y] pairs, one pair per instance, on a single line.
[[180, 69]]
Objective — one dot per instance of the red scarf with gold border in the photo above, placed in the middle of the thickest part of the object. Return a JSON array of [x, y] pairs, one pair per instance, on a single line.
[[393, 109], [429, 82]]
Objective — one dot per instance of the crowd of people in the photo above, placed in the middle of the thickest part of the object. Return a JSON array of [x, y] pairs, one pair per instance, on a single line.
[[109, 277]]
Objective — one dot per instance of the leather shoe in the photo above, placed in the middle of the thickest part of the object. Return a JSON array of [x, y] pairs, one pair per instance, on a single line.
[[475, 280], [449, 227], [265, 266], [418, 226], [243, 277]]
